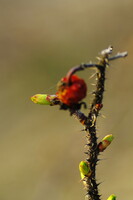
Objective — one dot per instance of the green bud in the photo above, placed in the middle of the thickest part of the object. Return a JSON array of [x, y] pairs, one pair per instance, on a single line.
[[112, 197], [84, 169], [44, 99]]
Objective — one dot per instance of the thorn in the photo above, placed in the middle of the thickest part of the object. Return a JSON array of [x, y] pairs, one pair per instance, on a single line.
[[92, 75], [98, 58], [99, 184], [98, 159], [103, 116], [88, 160], [88, 144], [93, 84], [83, 130], [102, 159], [99, 195], [93, 93], [87, 196], [86, 153], [106, 60]]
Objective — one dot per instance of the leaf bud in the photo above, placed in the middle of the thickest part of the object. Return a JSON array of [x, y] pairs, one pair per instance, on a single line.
[[45, 99], [112, 197], [106, 141], [84, 169]]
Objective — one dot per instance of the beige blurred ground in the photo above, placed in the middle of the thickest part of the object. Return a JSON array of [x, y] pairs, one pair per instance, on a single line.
[[41, 147]]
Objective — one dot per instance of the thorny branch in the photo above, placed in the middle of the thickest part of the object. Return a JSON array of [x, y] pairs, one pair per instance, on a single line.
[[90, 121]]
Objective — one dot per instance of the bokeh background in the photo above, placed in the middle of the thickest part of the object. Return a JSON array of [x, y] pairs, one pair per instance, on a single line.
[[40, 146]]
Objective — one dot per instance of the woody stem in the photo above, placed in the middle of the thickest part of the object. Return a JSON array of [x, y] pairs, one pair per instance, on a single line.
[[90, 126], [92, 186]]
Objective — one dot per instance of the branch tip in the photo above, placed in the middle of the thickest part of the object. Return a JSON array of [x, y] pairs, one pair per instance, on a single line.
[[119, 55], [107, 51]]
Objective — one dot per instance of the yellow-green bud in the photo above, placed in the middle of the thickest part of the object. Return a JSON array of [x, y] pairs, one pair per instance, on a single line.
[[112, 197], [105, 142], [44, 99], [84, 169]]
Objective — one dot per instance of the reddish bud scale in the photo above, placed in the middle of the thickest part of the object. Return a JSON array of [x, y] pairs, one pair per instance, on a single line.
[[98, 106], [73, 91], [103, 145]]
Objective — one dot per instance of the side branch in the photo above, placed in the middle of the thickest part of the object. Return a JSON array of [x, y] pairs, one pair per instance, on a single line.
[[119, 55], [105, 58], [80, 117], [80, 68]]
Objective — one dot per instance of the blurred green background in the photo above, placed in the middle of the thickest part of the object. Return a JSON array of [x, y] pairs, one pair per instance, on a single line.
[[41, 147]]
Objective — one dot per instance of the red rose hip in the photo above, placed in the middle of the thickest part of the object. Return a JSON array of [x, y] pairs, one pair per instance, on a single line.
[[71, 91]]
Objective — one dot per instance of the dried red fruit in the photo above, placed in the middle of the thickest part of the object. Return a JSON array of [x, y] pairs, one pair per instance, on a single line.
[[71, 91]]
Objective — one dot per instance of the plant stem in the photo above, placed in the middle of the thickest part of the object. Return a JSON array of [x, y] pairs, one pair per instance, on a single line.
[[89, 122], [91, 184], [90, 126]]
